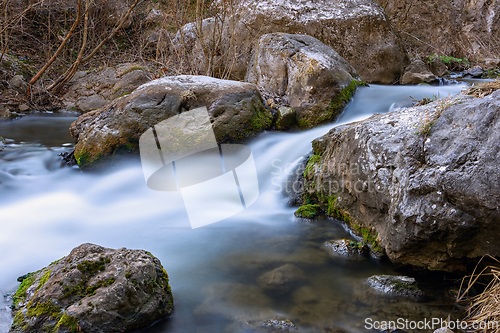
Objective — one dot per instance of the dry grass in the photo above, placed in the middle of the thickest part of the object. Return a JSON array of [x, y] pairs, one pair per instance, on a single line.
[[483, 89], [425, 100], [428, 119], [485, 307]]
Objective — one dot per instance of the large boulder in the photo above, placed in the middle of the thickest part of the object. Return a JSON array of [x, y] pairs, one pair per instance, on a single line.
[[235, 109], [308, 75], [421, 183], [461, 28], [94, 289], [358, 30]]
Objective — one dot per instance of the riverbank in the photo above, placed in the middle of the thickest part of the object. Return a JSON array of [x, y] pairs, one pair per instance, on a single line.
[[54, 208]]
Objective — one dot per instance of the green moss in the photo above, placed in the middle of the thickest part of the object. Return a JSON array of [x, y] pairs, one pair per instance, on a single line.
[[20, 294], [260, 120], [48, 309], [57, 261], [369, 236], [168, 290], [128, 275], [69, 322], [342, 98], [446, 59], [82, 156], [122, 95], [133, 68], [19, 320], [308, 211], [91, 267], [88, 269], [400, 286], [338, 102], [43, 280], [492, 73], [330, 209], [313, 160]]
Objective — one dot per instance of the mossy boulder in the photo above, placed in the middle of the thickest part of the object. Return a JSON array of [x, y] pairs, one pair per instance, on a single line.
[[308, 211], [93, 289], [427, 200], [311, 77], [235, 108]]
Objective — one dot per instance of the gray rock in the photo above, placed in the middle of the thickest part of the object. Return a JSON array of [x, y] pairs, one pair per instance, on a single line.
[[23, 107], [87, 290], [129, 82], [429, 200], [90, 103], [305, 295], [285, 118], [345, 248], [18, 84], [358, 30], [475, 72], [78, 75], [300, 69], [395, 285], [276, 325], [158, 40], [282, 279], [438, 67], [235, 108], [417, 73], [91, 90]]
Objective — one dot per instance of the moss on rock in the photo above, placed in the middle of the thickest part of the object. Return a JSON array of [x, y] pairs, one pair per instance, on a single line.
[[308, 211]]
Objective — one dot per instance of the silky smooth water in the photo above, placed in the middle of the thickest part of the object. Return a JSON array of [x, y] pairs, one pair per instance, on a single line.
[[46, 209]]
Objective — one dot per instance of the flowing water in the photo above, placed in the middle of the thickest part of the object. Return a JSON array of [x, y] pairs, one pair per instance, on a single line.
[[46, 209]]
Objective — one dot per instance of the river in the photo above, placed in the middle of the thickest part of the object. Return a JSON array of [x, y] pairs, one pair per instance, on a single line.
[[46, 209]]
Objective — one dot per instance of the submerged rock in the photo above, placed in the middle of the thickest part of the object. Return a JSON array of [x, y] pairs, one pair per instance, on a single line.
[[315, 81], [358, 30], [94, 289], [235, 301], [421, 183], [276, 325], [395, 285], [417, 73], [235, 109], [282, 279]]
